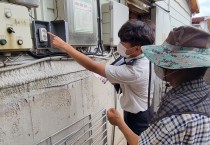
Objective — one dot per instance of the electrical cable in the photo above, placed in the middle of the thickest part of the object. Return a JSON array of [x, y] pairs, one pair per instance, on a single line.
[[46, 55], [106, 56], [149, 87], [14, 59], [57, 56], [31, 63], [56, 5], [100, 45], [99, 55], [29, 10], [93, 55], [5, 64]]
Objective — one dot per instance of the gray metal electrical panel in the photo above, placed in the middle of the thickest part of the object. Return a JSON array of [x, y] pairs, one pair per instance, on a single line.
[[40, 29], [114, 15], [82, 21], [27, 3]]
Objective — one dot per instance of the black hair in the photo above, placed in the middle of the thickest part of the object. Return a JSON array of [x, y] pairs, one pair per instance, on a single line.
[[137, 32]]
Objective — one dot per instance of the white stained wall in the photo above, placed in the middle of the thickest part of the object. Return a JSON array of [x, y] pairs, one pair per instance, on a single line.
[[39, 100], [167, 15], [204, 26]]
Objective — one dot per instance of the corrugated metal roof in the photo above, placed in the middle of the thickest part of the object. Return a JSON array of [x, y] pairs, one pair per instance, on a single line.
[[138, 6], [194, 6]]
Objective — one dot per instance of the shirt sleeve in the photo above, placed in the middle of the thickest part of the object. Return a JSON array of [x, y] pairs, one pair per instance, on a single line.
[[121, 74], [155, 134]]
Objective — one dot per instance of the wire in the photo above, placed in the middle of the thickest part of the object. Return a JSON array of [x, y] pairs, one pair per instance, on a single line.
[[15, 59], [149, 88], [104, 57], [31, 63], [29, 10], [100, 45], [97, 55], [56, 5], [46, 55], [2, 64]]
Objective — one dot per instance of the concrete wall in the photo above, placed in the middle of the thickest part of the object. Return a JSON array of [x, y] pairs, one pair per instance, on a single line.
[[39, 100], [204, 26]]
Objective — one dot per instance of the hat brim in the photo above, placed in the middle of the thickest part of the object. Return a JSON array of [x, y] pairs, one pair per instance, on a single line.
[[176, 59]]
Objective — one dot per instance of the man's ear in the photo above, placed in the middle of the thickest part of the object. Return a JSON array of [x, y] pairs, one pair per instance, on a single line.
[[133, 50], [139, 48]]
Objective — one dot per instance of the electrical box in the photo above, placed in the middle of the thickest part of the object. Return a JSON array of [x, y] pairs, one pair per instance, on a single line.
[[40, 29], [15, 32], [82, 21], [27, 3], [114, 15]]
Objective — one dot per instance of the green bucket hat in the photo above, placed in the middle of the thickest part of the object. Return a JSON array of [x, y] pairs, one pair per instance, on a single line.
[[185, 47]]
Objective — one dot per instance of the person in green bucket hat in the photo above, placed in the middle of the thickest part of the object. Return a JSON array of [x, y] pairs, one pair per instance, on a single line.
[[183, 116]]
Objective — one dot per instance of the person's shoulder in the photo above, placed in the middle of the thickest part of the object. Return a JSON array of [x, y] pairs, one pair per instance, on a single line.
[[175, 126], [182, 119], [109, 66], [143, 60], [142, 63]]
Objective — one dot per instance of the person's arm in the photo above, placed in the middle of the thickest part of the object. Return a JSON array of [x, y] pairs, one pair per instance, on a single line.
[[115, 118], [82, 59]]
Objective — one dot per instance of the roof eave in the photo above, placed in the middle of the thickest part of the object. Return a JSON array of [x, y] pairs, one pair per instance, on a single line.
[[194, 6]]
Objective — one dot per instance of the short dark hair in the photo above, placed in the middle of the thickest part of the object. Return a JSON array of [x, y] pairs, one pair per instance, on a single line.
[[137, 32]]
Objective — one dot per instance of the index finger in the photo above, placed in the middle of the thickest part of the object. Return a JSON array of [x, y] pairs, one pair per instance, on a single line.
[[51, 34]]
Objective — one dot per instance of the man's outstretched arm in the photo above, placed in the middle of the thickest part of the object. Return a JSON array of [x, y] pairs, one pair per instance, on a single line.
[[82, 59]]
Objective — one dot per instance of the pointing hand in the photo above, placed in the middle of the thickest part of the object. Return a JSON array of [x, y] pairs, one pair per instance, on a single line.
[[57, 42]]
